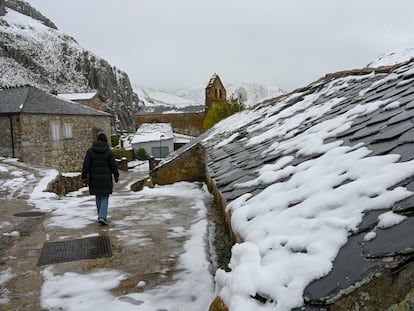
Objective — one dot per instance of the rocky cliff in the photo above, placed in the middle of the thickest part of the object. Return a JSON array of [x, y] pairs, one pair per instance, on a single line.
[[33, 51]]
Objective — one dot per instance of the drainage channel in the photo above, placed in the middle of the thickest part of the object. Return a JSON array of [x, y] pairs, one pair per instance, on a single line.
[[220, 240]]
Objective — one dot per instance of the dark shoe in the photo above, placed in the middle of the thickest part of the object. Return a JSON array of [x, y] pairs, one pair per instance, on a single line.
[[103, 222]]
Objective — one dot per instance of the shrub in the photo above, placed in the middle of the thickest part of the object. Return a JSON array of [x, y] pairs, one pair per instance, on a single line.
[[221, 111], [142, 154], [114, 140], [119, 153]]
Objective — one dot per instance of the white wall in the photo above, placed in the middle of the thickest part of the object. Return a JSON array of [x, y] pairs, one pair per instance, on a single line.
[[153, 146]]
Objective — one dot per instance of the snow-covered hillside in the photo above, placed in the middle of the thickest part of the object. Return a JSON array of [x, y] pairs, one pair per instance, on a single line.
[[18, 28], [32, 52], [154, 98], [256, 93]]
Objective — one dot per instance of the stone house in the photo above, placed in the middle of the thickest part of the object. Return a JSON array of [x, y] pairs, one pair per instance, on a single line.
[[43, 129], [91, 99], [156, 138], [215, 92]]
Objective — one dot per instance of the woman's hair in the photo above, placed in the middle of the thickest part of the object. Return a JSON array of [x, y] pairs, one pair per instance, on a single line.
[[102, 137]]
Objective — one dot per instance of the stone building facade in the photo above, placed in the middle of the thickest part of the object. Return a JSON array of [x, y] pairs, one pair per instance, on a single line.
[[189, 166], [92, 99], [42, 129], [215, 92], [183, 123]]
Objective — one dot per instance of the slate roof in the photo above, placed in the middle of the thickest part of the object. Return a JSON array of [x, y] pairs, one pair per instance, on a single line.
[[368, 111], [78, 96], [29, 99], [212, 79], [210, 83]]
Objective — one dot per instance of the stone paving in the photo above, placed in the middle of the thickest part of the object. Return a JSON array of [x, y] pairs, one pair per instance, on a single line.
[[146, 233]]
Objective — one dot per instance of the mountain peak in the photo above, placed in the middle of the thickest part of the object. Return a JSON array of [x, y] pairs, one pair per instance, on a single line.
[[26, 9], [33, 51]]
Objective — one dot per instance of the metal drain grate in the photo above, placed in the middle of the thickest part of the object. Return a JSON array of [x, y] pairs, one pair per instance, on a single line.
[[87, 248]]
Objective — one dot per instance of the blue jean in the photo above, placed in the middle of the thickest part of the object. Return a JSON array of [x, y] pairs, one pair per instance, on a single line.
[[102, 205]]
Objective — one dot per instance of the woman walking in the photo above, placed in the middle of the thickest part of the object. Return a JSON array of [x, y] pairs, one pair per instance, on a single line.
[[98, 167]]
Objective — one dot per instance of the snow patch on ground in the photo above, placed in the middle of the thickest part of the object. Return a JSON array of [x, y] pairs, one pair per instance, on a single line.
[[192, 288], [5, 276]]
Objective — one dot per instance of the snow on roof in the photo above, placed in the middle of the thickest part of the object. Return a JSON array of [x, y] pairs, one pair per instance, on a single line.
[[78, 96], [182, 139], [395, 57], [310, 166], [148, 132], [213, 77]]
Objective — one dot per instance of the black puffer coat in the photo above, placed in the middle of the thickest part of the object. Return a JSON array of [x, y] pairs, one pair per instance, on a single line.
[[98, 167]]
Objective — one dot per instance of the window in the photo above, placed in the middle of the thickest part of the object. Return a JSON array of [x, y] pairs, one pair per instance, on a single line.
[[68, 132], [55, 131]]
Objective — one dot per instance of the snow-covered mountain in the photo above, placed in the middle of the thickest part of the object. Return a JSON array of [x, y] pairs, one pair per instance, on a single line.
[[155, 98], [33, 51], [255, 92], [182, 99]]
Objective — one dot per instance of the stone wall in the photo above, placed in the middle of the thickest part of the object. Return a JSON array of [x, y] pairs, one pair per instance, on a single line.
[[221, 202], [218, 305], [183, 123], [391, 291], [188, 166], [33, 142], [95, 102], [65, 184], [5, 136]]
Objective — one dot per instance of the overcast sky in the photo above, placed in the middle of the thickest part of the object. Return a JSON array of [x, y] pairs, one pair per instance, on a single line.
[[171, 44]]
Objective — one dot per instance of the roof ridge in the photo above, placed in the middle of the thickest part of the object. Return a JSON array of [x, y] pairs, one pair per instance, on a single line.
[[31, 99], [365, 70], [337, 75]]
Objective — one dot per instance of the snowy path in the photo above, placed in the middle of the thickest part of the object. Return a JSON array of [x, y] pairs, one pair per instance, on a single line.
[[158, 236]]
